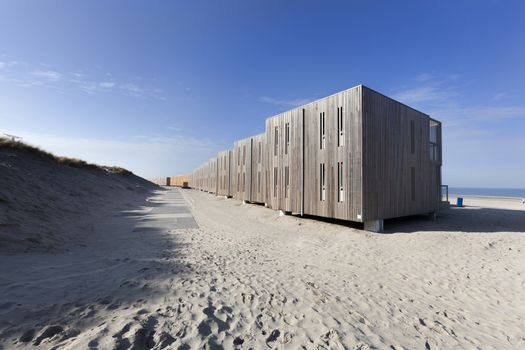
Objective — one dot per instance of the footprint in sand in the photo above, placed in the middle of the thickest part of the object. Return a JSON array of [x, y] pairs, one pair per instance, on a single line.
[[48, 333]]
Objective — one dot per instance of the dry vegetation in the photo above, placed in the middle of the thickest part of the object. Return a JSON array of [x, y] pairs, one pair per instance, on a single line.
[[6, 143]]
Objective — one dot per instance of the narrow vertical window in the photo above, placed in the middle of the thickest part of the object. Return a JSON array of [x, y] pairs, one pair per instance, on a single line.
[[239, 155], [287, 138], [340, 128], [244, 182], [413, 182], [275, 182], [286, 181], [322, 134], [433, 137], [238, 181], [322, 182], [260, 152], [243, 154], [258, 182], [412, 140], [276, 141], [340, 182]]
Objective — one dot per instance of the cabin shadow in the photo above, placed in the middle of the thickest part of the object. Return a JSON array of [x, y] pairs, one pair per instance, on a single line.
[[339, 222], [467, 219]]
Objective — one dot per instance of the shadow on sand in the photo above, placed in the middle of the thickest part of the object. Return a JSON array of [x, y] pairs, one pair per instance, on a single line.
[[455, 219], [462, 219], [54, 299]]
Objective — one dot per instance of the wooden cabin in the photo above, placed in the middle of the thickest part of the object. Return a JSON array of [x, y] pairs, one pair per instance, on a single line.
[[211, 175], [224, 173], [356, 155], [180, 181], [257, 169], [241, 182]]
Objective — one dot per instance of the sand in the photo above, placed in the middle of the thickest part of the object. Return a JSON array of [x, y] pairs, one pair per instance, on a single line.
[[188, 270]]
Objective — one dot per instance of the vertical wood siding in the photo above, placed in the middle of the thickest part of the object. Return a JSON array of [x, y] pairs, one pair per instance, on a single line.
[[349, 154], [388, 160], [224, 165], [242, 167], [258, 155]]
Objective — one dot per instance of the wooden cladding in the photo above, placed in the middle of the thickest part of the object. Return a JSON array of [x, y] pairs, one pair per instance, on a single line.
[[355, 155]]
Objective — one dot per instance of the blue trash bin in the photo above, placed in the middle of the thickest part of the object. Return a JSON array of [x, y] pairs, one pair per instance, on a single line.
[[460, 202]]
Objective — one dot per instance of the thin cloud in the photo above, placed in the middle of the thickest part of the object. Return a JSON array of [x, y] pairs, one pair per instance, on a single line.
[[26, 76], [106, 85], [479, 114], [499, 96], [47, 75], [284, 103], [426, 93], [423, 77]]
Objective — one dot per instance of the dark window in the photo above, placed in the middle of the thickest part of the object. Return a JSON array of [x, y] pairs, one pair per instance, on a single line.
[[340, 127], [260, 152], [322, 182], [243, 154], [287, 138], [340, 182], [322, 134], [275, 182], [258, 181], [276, 141], [433, 137]]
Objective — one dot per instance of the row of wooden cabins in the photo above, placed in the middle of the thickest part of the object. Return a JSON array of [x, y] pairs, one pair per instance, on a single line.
[[356, 155]]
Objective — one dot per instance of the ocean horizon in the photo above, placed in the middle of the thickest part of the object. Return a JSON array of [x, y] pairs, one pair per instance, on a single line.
[[493, 192]]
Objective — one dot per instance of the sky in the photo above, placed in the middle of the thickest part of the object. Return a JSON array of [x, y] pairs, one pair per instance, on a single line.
[[159, 87]]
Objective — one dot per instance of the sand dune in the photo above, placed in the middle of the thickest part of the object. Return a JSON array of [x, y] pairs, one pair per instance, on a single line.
[[46, 205]]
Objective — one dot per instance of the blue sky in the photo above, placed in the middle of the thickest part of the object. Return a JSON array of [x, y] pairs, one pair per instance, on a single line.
[[161, 86]]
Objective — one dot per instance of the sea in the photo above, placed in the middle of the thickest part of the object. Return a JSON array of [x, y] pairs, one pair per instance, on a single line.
[[491, 192]]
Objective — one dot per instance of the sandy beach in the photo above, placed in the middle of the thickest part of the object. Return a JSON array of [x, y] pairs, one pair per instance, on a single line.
[[185, 269]]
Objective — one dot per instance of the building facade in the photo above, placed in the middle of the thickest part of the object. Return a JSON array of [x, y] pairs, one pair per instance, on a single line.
[[356, 155]]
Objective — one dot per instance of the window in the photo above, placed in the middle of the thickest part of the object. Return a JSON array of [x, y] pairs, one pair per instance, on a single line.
[[243, 182], [243, 154], [275, 182], [322, 182], [238, 181], [238, 155], [286, 181], [340, 182], [287, 138], [413, 183], [433, 137], [340, 128], [412, 140], [260, 152], [276, 141], [258, 182], [322, 135]]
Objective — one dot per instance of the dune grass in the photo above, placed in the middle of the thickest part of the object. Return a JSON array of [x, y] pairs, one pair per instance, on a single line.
[[6, 143]]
